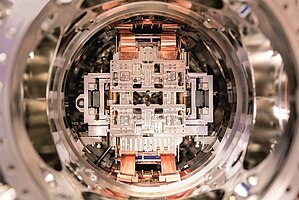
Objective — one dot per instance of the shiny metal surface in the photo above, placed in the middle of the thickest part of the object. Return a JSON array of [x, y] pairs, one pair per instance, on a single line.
[[251, 47]]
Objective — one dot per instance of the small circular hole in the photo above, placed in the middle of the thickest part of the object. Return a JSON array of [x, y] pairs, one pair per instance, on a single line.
[[25, 191], [11, 167], [285, 6]]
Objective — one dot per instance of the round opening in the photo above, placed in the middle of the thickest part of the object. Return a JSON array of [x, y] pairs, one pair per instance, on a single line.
[[160, 96], [142, 99]]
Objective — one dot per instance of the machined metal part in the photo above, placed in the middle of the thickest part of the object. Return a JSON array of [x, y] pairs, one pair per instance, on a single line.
[[65, 79]]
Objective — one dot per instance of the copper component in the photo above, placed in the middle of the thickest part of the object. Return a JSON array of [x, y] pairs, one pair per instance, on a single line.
[[181, 98], [127, 168], [110, 97], [169, 172], [109, 193], [127, 164], [110, 5], [124, 27], [171, 27], [114, 97], [184, 173], [127, 46], [168, 49], [168, 165], [186, 4], [165, 27]]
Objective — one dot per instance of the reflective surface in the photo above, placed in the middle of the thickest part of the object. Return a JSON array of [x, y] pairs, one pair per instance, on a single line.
[[247, 151]]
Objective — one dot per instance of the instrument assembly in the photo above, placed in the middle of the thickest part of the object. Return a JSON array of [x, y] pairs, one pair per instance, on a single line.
[[149, 99], [147, 104]]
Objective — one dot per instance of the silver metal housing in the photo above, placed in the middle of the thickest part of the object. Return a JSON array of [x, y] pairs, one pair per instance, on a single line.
[[255, 47]]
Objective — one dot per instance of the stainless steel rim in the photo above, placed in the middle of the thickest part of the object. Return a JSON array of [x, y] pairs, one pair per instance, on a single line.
[[274, 177]]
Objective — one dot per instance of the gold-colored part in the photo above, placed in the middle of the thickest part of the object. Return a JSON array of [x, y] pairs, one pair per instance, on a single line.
[[127, 164], [168, 165], [127, 168], [168, 49], [181, 98], [128, 49], [127, 46]]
